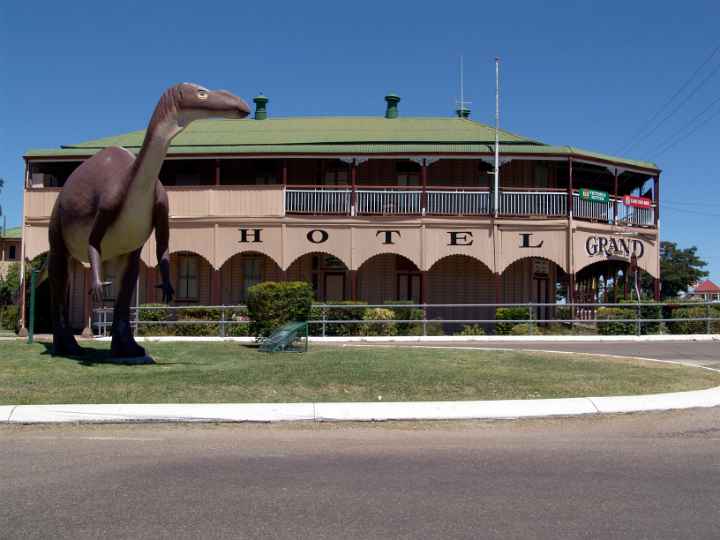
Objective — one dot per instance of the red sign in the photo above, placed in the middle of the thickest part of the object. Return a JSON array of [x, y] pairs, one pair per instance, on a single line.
[[637, 202]]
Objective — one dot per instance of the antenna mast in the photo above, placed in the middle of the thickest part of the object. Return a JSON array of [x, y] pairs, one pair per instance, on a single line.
[[496, 186]]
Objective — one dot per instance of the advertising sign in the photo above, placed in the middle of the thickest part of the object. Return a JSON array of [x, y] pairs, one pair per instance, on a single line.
[[637, 202], [594, 195]]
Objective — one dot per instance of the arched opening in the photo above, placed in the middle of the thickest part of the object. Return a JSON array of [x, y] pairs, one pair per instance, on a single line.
[[329, 276], [389, 277], [190, 275], [533, 280], [242, 271], [460, 279], [611, 281]]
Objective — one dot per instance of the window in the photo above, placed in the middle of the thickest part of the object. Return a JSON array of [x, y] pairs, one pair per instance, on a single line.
[[336, 176], [251, 274], [408, 173], [187, 277], [12, 255]]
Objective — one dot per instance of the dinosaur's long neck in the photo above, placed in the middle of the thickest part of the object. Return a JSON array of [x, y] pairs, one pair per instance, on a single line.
[[162, 129]]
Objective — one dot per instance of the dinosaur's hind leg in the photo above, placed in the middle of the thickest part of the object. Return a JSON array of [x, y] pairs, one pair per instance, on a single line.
[[64, 342], [123, 342]]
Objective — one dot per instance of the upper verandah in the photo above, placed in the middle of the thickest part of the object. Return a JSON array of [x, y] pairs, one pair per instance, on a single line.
[[342, 136]]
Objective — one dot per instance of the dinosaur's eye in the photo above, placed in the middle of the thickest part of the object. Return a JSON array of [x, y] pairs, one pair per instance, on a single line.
[[202, 94]]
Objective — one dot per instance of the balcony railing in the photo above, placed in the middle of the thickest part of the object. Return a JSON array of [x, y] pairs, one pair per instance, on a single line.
[[389, 201], [512, 202], [462, 202], [318, 200], [532, 203]]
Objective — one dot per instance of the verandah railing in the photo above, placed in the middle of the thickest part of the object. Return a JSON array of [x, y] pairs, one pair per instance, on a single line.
[[447, 319], [436, 200]]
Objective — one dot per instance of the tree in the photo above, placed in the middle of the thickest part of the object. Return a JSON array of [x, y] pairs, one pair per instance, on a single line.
[[679, 269]]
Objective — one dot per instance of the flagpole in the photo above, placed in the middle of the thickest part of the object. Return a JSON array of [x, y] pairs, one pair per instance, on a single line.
[[496, 187]]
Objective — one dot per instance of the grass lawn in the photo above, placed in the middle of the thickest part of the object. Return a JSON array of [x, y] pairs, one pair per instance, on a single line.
[[234, 373]]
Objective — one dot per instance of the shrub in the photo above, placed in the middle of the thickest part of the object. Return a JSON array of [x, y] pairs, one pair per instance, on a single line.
[[272, 304], [563, 313], [609, 326], [242, 325], [338, 314], [199, 329], [160, 314], [526, 329], [404, 312], [9, 317], [379, 328], [509, 313], [471, 330], [693, 327]]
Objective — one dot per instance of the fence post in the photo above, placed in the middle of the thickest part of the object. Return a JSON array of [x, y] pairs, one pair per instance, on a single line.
[[637, 320], [31, 325], [324, 318], [222, 322], [707, 315], [530, 319], [424, 310]]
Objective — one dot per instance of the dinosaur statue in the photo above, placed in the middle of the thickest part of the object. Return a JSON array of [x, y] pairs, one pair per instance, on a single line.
[[109, 206]]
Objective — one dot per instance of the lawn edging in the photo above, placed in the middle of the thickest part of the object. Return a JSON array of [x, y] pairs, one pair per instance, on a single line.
[[430, 339], [358, 412]]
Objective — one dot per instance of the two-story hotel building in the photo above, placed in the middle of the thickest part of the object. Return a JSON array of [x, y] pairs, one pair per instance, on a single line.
[[375, 209]]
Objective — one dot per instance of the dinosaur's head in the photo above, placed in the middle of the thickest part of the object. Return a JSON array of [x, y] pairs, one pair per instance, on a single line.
[[194, 102]]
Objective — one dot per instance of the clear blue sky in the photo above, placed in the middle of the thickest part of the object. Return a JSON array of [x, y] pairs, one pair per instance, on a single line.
[[589, 74]]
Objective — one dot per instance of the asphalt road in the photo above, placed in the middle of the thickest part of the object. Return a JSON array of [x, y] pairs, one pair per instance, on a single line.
[[634, 476]]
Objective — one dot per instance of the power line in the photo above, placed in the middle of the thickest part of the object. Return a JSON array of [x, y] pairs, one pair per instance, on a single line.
[[685, 135], [635, 137]]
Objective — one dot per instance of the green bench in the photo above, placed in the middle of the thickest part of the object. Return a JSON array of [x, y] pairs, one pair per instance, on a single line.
[[283, 339]]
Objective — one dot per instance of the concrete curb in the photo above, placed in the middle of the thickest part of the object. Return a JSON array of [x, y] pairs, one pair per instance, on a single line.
[[371, 411], [446, 339]]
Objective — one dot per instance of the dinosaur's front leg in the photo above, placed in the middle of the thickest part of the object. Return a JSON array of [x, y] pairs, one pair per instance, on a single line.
[[100, 227], [123, 343]]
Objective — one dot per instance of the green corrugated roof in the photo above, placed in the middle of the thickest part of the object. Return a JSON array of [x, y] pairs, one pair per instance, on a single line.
[[335, 135], [15, 232]]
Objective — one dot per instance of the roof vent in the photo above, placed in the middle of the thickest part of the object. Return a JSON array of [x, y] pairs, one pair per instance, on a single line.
[[260, 107], [392, 102], [462, 112]]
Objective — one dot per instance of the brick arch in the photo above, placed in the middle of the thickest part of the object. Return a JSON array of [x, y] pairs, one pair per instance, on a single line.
[[232, 284], [378, 276], [458, 256], [641, 264], [561, 262], [517, 280], [361, 262], [318, 252]]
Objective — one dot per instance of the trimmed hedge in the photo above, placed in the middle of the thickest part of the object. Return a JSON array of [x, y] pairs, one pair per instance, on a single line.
[[471, 330], [693, 327], [338, 314], [509, 313], [272, 304], [379, 328], [403, 312], [609, 326]]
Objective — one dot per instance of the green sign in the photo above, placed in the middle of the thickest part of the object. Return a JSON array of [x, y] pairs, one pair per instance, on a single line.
[[594, 195]]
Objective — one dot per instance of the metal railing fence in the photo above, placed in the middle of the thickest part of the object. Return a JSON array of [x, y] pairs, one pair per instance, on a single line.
[[446, 319], [532, 203], [388, 201]]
